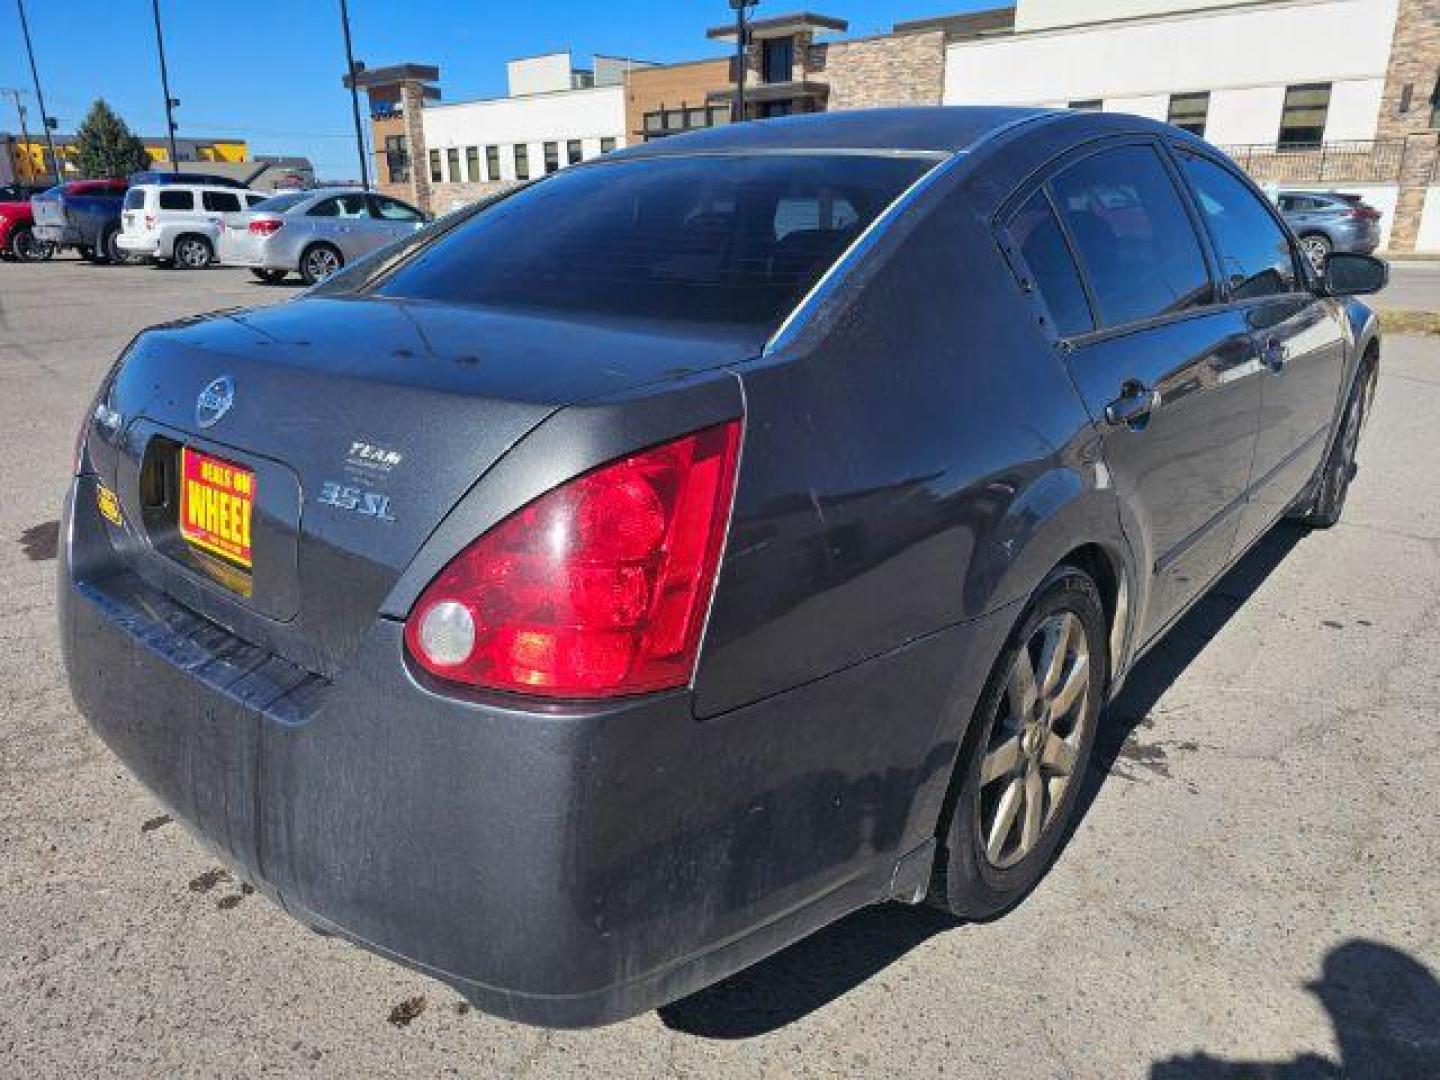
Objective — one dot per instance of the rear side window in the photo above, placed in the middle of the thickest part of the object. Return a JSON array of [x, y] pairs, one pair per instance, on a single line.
[[223, 202], [734, 240], [1036, 236], [135, 199], [1134, 238], [254, 200], [176, 199], [1254, 252], [278, 204]]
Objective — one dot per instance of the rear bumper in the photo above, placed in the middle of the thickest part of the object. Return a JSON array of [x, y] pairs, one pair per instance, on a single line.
[[557, 865], [60, 235], [138, 245]]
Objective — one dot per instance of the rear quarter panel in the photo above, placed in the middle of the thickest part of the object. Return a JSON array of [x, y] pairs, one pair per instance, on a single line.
[[918, 460]]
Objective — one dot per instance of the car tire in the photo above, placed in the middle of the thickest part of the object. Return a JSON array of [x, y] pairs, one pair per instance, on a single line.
[[319, 262], [1327, 494], [91, 255], [1023, 762], [192, 252], [270, 277], [110, 247], [1317, 248], [24, 247]]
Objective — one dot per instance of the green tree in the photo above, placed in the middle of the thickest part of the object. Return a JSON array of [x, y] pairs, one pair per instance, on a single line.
[[105, 148]]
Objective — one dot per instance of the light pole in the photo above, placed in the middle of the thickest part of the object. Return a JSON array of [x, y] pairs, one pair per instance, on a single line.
[[350, 68], [170, 102], [742, 34], [45, 121]]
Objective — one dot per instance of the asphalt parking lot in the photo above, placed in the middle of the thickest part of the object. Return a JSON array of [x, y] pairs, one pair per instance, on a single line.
[[1253, 882]]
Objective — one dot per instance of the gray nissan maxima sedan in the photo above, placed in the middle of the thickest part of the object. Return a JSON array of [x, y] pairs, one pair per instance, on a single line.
[[605, 588]]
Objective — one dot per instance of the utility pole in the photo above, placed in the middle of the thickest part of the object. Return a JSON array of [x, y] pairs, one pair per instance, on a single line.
[[354, 95], [45, 120], [14, 95], [742, 35], [170, 102]]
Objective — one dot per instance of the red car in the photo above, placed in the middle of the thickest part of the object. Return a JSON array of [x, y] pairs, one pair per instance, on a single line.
[[17, 238]]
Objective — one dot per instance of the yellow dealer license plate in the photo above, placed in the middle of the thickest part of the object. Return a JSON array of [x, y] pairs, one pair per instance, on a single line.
[[216, 500]]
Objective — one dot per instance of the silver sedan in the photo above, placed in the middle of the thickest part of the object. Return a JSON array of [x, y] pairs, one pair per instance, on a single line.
[[314, 233]]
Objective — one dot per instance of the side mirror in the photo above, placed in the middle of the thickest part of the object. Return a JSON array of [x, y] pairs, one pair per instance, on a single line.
[[1349, 274]]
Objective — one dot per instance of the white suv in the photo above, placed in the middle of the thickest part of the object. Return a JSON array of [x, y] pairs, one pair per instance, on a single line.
[[180, 222]]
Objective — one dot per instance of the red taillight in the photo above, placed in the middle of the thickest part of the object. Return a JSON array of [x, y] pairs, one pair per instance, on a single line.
[[1365, 213], [149, 221], [597, 588], [265, 226]]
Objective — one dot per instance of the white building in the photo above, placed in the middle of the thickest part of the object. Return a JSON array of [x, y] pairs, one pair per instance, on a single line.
[[554, 115], [1281, 71]]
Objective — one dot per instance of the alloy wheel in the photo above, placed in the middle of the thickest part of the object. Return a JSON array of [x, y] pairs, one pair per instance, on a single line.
[[1316, 250], [321, 264], [1035, 740], [192, 254]]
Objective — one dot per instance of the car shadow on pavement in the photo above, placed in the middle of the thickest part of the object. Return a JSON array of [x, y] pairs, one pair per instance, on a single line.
[[1384, 1007], [811, 973]]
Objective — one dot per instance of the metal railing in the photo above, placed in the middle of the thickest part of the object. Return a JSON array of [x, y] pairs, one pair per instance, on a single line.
[[1372, 161]]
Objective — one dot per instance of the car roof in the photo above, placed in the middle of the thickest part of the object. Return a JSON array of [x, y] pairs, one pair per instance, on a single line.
[[932, 129]]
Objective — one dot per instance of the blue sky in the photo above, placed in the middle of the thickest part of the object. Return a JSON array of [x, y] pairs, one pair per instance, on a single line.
[[275, 78]]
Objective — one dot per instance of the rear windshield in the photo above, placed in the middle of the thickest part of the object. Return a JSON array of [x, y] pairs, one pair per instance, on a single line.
[[135, 199], [278, 204], [712, 239]]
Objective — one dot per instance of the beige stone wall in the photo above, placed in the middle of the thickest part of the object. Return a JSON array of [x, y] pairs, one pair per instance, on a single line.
[[898, 69], [1414, 62]]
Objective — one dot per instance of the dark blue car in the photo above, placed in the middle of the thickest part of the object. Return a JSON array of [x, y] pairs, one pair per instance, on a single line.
[[598, 591], [83, 215]]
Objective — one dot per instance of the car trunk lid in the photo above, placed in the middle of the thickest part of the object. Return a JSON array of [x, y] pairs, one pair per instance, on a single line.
[[360, 424]]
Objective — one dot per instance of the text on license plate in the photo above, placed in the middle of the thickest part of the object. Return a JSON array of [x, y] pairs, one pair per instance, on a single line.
[[216, 500]]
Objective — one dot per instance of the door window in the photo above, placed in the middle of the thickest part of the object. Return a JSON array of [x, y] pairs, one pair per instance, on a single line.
[[388, 209], [254, 200], [1036, 234], [1255, 254], [1134, 238], [176, 199], [342, 206], [221, 202]]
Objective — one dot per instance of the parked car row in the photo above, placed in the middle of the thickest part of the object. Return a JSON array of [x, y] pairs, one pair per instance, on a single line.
[[191, 221]]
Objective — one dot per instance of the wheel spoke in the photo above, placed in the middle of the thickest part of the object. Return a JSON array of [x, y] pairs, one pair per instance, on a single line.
[[1005, 812], [1052, 654], [1058, 756], [1034, 810], [1000, 761], [1022, 686], [1074, 685]]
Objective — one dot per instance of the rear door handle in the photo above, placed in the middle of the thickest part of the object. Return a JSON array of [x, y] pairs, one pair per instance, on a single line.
[[1274, 354], [1133, 407]]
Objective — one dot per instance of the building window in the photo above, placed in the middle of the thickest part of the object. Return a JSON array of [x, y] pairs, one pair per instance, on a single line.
[[492, 163], [1303, 121], [435, 176], [1087, 105], [1189, 111], [654, 125], [452, 162], [522, 161], [719, 114], [397, 159], [472, 164], [607, 145], [777, 59], [552, 157], [573, 152]]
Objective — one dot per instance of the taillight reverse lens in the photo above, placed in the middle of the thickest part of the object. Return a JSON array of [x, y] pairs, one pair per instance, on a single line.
[[596, 589], [265, 226]]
